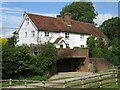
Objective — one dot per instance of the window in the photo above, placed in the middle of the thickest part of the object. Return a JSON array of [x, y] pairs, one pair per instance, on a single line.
[[25, 34], [32, 33], [66, 35], [27, 21], [82, 36], [82, 46], [46, 34]]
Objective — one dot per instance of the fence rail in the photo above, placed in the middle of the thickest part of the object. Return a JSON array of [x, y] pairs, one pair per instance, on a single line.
[[95, 80]]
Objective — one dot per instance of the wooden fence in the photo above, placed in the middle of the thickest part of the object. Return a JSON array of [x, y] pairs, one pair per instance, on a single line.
[[93, 81]]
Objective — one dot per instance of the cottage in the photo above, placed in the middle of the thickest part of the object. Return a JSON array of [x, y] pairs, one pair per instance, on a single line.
[[63, 33], [38, 29]]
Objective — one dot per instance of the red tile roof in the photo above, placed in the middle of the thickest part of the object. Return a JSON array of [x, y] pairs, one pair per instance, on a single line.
[[59, 25]]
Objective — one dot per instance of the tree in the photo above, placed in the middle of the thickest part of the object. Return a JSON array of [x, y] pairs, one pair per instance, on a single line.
[[12, 41], [15, 61], [109, 51], [96, 46], [111, 28], [3, 41], [80, 11], [45, 58], [20, 62]]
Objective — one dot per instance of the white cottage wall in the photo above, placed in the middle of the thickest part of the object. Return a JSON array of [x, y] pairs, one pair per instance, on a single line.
[[27, 39]]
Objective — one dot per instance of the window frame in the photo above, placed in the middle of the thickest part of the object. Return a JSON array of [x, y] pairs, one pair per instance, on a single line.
[[25, 34], [27, 21], [82, 46], [47, 34], [32, 33], [67, 35]]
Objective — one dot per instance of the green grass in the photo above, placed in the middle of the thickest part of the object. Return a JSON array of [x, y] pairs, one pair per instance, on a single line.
[[34, 78], [6, 84], [37, 78], [112, 85]]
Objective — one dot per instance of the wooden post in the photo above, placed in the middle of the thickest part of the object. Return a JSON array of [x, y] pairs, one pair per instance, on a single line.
[[25, 83], [100, 80], [116, 76], [64, 86], [10, 83], [43, 82], [83, 82]]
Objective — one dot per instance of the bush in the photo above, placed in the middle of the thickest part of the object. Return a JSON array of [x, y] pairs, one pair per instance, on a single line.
[[19, 62]]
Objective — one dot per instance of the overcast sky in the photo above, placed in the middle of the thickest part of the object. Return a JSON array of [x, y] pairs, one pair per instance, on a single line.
[[12, 12]]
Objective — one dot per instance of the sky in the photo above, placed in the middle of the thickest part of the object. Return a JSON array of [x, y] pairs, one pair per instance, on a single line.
[[12, 12]]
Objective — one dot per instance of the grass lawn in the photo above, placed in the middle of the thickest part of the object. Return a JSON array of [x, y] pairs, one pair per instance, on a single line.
[[112, 85], [34, 78]]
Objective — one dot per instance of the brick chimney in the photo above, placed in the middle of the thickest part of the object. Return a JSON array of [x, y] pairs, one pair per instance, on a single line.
[[67, 19]]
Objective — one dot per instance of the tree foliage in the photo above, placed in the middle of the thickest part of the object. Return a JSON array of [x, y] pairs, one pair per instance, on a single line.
[[20, 62], [111, 50], [80, 11], [3, 41], [96, 46], [111, 28], [15, 61], [46, 56]]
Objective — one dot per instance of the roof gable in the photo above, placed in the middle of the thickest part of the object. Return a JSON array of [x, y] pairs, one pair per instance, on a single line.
[[23, 20], [60, 40]]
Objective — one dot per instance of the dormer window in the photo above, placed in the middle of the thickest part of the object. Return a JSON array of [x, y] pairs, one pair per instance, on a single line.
[[27, 21], [66, 35], [46, 34]]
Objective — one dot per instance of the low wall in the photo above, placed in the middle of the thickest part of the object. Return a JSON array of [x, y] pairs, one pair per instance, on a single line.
[[100, 64]]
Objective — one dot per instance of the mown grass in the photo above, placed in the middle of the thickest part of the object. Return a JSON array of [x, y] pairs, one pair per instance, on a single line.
[[112, 85], [6, 83], [37, 78]]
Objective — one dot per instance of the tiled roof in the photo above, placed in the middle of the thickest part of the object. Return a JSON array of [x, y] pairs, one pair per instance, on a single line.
[[59, 25]]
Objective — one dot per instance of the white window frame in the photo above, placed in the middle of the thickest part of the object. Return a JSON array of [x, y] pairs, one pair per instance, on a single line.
[[67, 35], [25, 34], [27, 21], [82, 46], [47, 34], [32, 33]]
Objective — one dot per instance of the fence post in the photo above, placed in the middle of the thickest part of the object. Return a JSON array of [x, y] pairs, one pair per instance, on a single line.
[[100, 80], [10, 83], [64, 86], [116, 75], [83, 82], [43, 82], [25, 83]]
